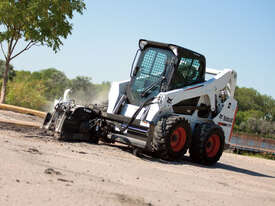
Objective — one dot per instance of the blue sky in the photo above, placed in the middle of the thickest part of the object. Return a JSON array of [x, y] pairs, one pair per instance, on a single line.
[[231, 34]]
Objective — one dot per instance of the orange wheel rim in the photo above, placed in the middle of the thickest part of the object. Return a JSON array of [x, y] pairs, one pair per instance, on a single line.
[[178, 139], [213, 145]]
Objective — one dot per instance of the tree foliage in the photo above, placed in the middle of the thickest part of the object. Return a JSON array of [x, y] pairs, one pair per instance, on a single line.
[[26, 91], [54, 80], [81, 83], [38, 90], [43, 22], [256, 112], [35, 22]]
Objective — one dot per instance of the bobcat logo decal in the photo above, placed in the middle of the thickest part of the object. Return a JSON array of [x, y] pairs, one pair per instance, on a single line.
[[169, 100]]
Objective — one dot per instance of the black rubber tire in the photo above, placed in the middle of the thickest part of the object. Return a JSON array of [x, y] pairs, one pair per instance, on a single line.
[[163, 134], [200, 139], [137, 152]]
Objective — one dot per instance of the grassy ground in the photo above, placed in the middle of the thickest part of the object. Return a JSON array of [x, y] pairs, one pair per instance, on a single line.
[[254, 154]]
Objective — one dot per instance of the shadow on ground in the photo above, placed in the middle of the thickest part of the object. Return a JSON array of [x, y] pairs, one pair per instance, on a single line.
[[187, 160]]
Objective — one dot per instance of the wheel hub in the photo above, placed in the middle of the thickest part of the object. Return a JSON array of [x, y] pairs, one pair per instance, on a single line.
[[212, 146], [178, 139]]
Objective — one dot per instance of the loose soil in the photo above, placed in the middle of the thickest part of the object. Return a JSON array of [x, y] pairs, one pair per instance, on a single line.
[[36, 169]]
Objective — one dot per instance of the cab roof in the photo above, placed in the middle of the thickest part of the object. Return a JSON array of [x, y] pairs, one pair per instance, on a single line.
[[177, 50]]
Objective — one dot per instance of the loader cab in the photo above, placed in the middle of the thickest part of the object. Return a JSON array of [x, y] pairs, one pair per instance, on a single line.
[[162, 67]]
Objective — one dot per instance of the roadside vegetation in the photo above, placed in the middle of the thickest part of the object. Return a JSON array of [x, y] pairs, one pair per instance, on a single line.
[[256, 113], [263, 155], [38, 90]]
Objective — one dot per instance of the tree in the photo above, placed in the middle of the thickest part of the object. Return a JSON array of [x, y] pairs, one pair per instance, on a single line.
[[11, 73], [248, 99], [36, 22], [54, 80], [82, 90], [256, 112], [251, 100], [81, 83]]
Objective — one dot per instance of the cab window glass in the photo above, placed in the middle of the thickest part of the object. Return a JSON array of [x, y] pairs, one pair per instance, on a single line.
[[152, 64], [188, 73]]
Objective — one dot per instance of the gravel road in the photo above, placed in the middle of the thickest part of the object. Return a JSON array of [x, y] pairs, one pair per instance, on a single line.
[[38, 170]]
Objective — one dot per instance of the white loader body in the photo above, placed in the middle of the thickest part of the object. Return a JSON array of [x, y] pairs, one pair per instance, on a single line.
[[211, 92]]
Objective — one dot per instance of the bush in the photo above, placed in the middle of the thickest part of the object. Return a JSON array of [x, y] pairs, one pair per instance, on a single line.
[[26, 94]]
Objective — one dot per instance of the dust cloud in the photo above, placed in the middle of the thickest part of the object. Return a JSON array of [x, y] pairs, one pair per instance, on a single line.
[[92, 97], [81, 97]]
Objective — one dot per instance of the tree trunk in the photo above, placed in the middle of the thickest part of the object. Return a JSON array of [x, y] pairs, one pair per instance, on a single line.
[[5, 81]]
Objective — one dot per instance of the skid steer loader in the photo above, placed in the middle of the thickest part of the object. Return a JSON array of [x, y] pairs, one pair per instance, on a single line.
[[166, 108]]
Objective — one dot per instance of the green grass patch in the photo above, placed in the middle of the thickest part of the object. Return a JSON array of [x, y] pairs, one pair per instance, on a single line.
[[255, 154]]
